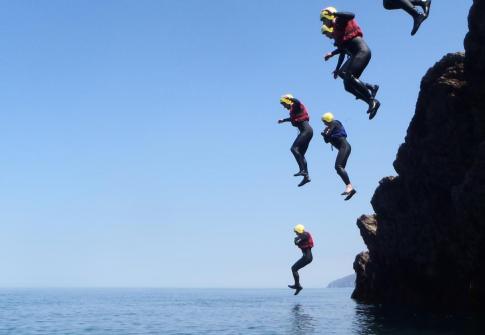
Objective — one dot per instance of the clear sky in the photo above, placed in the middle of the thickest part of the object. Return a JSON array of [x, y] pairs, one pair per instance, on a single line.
[[139, 143]]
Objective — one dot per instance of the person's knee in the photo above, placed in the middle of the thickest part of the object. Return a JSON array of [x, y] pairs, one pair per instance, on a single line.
[[294, 269], [339, 168], [295, 150]]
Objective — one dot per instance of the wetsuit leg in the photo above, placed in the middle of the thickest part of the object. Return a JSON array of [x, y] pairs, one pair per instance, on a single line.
[[360, 58], [300, 146], [306, 259], [346, 76], [406, 5], [341, 161], [356, 87]]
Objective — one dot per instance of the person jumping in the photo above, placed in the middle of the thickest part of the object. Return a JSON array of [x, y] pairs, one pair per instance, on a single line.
[[304, 241], [335, 134], [343, 28], [299, 118]]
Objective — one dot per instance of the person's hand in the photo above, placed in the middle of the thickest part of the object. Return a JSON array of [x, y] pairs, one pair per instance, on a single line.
[[335, 74], [281, 121], [328, 56]]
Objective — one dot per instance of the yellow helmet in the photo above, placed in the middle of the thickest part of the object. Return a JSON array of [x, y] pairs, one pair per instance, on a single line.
[[327, 29], [299, 229], [287, 99], [327, 117], [328, 13]]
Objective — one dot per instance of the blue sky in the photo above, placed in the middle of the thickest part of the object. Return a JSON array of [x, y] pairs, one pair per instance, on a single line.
[[139, 144]]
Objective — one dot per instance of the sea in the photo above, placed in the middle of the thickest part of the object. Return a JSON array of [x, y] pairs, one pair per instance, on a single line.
[[213, 311]]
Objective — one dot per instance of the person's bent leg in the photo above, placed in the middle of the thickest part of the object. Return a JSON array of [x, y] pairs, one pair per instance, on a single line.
[[406, 5], [355, 69], [349, 87], [361, 88], [340, 163], [295, 150], [302, 262], [306, 138], [296, 277], [391, 4]]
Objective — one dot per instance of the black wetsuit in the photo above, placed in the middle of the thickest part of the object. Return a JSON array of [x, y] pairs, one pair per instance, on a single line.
[[360, 55], [336, 135], [340, 71], [407, 5], [300, 145], [307, 258]]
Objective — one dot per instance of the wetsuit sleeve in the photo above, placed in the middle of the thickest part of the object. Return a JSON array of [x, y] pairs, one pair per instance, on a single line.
[[345, 15], [327, 131], [301, 238], [336, 52], [288, 119], [326, 138]]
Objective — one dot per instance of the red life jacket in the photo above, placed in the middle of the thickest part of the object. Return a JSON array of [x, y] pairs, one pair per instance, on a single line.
[[308, 244], [345, 31], [300, 115]]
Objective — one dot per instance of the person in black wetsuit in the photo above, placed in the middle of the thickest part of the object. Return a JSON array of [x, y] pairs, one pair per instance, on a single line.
[[342, 55], [304, 241], [334, 133], [299, 118], [409, 7], [343, 28]]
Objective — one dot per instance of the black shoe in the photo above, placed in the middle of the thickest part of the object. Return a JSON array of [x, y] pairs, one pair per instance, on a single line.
[[301, 173], [417, 22], [426, 6], [373, 110], [305, 180], [350, 195], [298, 289], [373, 90]]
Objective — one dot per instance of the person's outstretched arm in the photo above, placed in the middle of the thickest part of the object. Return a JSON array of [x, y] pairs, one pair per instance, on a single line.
[[333, 53]]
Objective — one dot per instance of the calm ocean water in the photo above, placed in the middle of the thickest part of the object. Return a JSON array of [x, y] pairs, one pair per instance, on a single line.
[[181, 311]]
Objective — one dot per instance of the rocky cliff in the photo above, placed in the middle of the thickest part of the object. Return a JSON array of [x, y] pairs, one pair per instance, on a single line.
[[426, 240]]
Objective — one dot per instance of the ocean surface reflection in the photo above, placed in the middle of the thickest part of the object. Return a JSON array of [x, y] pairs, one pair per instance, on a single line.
[[207, 312], [376, 319], [303, 323]]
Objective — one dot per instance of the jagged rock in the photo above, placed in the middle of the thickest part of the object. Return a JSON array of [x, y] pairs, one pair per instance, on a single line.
[[426, 240]]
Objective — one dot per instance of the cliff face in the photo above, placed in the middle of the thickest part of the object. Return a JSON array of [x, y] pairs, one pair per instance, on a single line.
[[426, 239]]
